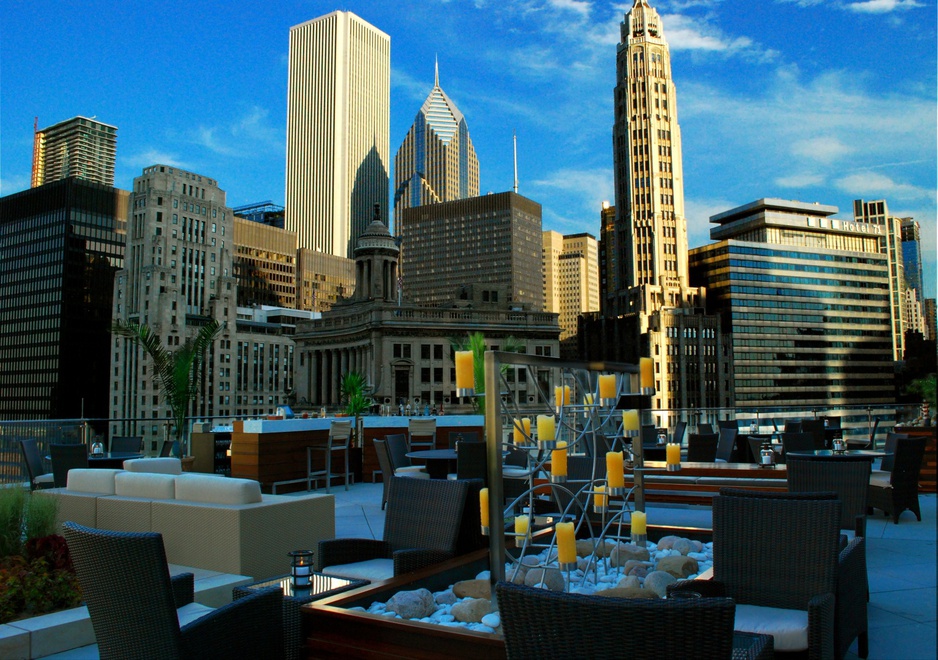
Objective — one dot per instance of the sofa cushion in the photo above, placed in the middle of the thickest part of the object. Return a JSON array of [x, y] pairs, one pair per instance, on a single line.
[[160, 465], [150, 485], [214, 490], [372, 570], [788, 627], [89, 480]]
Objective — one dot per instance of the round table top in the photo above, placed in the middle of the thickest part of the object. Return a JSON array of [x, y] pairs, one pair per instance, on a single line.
[[849, 453], [430, 454]]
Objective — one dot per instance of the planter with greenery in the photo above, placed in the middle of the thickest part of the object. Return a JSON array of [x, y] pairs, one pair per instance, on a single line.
[[179, 369], [36, 573], [475, 342], [925, 387]]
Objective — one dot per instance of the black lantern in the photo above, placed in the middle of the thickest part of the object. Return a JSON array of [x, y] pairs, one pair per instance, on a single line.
[[301, 568]]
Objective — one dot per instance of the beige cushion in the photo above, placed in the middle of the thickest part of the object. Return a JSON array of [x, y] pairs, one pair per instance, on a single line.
[[880, 478], [145, 484], [160, 465], [213, 490], [88, 480], [371, 569], [412, 471], [788, 627], [191, 612]]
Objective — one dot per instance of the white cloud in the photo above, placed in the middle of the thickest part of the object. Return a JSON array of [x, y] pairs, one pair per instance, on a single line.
[[152, 157], [14, 184], [576, 6], [243, 136], [691, 33], [823, 148], [882, 6], [698, 212], [583, 190], [874, 185]]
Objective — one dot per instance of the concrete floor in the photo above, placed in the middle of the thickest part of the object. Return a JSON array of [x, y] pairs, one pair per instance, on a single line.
[[901, 560]]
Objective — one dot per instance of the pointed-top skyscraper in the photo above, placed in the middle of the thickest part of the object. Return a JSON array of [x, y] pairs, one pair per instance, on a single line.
[[436, 162]]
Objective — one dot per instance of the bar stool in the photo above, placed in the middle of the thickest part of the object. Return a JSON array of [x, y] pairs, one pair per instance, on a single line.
[[340, 438], [422, 433]]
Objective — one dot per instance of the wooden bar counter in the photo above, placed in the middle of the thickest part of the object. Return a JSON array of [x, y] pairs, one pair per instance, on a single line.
[[272, 451]]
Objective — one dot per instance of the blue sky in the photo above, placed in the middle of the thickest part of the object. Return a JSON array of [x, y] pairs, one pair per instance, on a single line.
[[813, 100]]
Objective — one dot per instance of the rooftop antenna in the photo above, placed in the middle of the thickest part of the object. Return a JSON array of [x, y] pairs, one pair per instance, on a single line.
[[514, 139]]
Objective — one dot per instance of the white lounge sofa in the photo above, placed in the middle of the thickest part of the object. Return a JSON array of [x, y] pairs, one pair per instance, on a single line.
[[207, 521]]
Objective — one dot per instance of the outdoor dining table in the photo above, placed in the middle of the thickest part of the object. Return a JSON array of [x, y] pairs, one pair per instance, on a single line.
[[439, 462], [870, 454], [111, 459]]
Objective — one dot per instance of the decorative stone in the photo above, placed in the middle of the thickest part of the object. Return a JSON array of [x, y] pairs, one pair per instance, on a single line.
[[679, 567], [473, 589], [472, 610], [637, 568], [492, 620], [667, 542], [698, 546], [444, 597], [549, 578], [629, 582], [658, 581], [627, 592], [684, 546], [627, 551], [415, 604]]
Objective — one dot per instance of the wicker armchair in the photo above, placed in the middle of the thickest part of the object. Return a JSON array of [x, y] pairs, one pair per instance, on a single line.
[[32, 459], [133, 603], [849, 477], [782, 551], [726, 444], [421, 528], [702, 447], [545, 624], [384, 463], [66, 457], [900, 491]]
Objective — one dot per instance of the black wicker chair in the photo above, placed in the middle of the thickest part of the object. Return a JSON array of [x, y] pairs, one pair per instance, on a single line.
[[38, 477], [782, 550], [726, 444], [126, 444], [702, 448], [554, 625], [704, 428], [384, 463], [869, 443], [400, 464], [797, 441], [816, 428], [792, 426], [421, 528], [66, 457], [470, 460], [679, 430], [136, 608], [848, 476], [900, 492]]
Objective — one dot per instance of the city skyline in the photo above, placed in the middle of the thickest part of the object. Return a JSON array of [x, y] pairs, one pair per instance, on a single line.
[[795, 99]]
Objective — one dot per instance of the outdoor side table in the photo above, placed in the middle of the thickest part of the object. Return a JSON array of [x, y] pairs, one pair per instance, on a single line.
[[320, 587]]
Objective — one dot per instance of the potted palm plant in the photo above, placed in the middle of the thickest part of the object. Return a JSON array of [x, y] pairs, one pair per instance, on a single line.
[[357, 402], [179, 369], [475, 342]]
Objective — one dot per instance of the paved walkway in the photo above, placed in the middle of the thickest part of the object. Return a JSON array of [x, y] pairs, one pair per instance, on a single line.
[[901, 561]]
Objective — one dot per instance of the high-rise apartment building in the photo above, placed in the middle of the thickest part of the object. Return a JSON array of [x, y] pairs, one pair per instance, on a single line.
[[338, 127], [79, 147], [805, 307], [436, 162], [264, 264], [178, 274], [492, 239], [912, 255], [890, 243], [62, 244], [571, 282]]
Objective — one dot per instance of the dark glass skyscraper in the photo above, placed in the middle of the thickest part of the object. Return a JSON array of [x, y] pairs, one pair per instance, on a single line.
[[60, 246]]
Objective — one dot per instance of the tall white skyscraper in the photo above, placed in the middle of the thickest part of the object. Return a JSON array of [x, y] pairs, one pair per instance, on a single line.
[[338, 128]]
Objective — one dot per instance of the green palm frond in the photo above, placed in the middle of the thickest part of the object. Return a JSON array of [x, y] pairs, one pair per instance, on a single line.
[[475, 342]]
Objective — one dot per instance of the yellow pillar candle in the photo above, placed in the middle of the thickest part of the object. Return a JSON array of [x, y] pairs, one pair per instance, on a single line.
[[465, 379], [639, 522], [567, 395], [558, 396], [646, 367], [673, 453], [522, 430], [588, 400], [484, 506], [615, 470], [630, 420], [522, 525], [607, 386], [566, 543], [600, 499], [545, 427], [558, 460]]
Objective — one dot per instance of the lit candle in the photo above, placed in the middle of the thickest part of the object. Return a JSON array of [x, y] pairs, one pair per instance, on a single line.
[[484, 506], [673, 453], [646, 367], [600, 499], [566, 543], [639, 522], [558, 460], [465, 379], [522, 430], [567, 395], [607, 386], [588, 399], [522, 525], [615, 470], [545, 427], [558, 396], [630, 420]]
